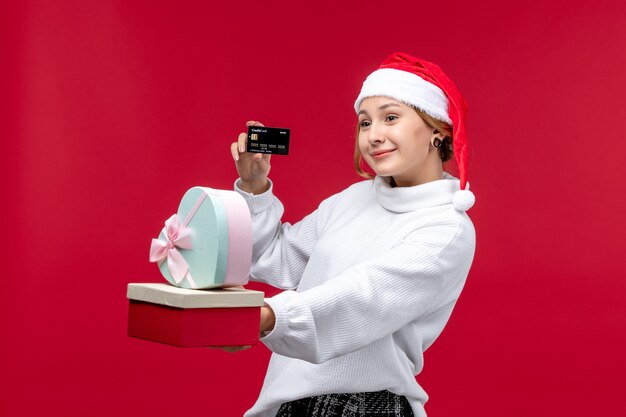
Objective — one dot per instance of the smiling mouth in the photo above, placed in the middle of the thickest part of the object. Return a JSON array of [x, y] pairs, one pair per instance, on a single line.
[[382, 154]]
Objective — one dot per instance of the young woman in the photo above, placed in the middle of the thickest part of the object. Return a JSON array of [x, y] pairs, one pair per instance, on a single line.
[[370, 277]]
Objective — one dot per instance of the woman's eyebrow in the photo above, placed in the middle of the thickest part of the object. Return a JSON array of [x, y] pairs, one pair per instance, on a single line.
[[383, 107]]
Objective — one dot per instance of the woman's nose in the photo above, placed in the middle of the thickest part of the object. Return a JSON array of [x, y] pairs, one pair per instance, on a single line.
[[376, 134]]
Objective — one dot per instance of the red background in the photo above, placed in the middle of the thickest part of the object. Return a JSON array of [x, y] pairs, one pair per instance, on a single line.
[[112, 109]]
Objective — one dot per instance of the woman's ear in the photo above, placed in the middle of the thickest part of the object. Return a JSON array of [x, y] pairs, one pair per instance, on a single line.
[[438, 134]]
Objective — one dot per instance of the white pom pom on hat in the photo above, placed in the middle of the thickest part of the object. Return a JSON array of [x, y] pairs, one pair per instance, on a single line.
[[463, 200], [424, 85]]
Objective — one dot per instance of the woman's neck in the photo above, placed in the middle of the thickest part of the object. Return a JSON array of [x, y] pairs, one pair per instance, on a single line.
[[433, 171]]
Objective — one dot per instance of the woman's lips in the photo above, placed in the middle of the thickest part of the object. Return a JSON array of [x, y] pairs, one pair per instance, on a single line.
[[381, 154]]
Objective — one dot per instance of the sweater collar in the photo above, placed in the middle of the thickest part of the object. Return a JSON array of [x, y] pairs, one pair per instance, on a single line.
[[405, 199]]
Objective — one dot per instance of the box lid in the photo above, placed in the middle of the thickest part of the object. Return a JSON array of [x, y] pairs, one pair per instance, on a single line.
[[169, 295]]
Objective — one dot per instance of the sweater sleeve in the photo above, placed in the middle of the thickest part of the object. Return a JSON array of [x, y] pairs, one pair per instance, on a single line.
[[375, 298], [280, 251]]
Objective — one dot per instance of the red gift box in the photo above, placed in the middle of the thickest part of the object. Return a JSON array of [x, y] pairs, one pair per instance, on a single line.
[[194, 318]]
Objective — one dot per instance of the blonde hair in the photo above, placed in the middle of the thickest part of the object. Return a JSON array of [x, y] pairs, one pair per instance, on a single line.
[[445, 152]]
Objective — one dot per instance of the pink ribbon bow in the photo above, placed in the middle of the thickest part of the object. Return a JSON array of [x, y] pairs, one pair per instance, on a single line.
[[177, 236]]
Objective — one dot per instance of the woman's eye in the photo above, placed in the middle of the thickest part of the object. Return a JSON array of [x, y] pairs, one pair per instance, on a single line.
[[365, 123], [391, 118]]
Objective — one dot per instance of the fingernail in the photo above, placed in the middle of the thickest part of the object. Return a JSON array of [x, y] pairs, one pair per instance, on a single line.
[[241, 149], [236, 158]]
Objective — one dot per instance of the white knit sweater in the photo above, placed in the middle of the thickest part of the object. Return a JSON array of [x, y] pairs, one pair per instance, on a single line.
[[371, 277]]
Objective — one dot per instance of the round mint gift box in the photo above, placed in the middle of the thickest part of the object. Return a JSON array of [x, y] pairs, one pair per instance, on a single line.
[[208, 242]]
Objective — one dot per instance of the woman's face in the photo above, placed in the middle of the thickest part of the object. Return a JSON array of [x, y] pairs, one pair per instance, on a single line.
[[396, 142]]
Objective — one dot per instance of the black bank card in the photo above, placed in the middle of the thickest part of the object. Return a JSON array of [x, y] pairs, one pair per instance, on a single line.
[[272, 140]]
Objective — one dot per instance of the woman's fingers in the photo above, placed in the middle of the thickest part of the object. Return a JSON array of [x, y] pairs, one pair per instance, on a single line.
[[236, 348], [251, 167], [242, 140], [234, 151], [231, 349]]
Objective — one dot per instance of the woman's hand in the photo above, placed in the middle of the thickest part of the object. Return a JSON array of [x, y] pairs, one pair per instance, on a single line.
[[268, 319], [231, 349], [267, 324], [252, 168]]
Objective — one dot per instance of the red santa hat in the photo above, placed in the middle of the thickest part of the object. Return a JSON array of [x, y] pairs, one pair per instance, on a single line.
[[422, 84]]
